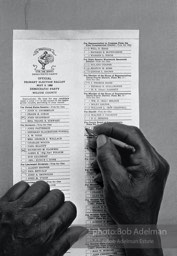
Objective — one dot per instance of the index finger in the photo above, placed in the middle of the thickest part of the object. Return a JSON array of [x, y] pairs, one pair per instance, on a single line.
[[128, 134]]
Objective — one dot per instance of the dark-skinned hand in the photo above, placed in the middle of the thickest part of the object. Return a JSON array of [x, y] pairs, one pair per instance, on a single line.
[[133, 182], [35, 221]]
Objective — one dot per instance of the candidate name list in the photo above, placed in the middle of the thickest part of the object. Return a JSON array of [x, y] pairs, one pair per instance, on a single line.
[[45, 146], [107, 89]]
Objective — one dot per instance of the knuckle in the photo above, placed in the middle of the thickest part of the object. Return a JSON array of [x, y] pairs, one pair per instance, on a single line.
[[135, 130], [30, 219], [57, 222]]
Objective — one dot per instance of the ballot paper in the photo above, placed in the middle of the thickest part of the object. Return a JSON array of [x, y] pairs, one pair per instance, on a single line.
[[63, 82]]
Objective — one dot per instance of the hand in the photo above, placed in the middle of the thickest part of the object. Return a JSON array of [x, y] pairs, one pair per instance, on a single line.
[[133, 182], [34, 221]]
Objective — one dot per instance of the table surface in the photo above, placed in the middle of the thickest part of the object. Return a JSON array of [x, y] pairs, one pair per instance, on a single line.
[[156, 21]]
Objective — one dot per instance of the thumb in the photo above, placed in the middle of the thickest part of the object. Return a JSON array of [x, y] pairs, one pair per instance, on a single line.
[[109, 160]]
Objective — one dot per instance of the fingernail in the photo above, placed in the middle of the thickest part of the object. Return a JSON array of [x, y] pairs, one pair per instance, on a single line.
[[83, 233], [101, 140]]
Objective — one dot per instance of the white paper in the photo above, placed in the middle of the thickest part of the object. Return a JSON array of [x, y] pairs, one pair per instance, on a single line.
[[65, 81]]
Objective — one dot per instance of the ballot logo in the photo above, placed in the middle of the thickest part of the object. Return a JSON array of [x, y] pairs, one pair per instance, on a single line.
[[44, 58]]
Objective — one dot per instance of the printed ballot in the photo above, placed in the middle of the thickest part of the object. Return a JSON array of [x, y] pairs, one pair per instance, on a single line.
[[64, 82]]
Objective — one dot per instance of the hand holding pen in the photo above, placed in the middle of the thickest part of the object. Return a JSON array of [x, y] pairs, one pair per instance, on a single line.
[[133, 183], [118, 143]]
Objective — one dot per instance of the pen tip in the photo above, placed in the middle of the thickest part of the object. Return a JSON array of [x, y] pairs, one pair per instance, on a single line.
[[90, 132]]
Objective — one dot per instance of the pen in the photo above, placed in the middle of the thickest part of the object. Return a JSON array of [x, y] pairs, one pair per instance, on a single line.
[[118, 143]]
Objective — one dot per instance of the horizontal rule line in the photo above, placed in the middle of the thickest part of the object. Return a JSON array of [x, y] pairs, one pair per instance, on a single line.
[[43, 122], [104, 57], [121, 74], [46, 162], [49, 180], [48, 168], [45, 96], [104, 109]]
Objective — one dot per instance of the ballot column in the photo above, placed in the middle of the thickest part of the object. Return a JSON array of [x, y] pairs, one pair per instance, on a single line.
[[107, 98], [45, 141]]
